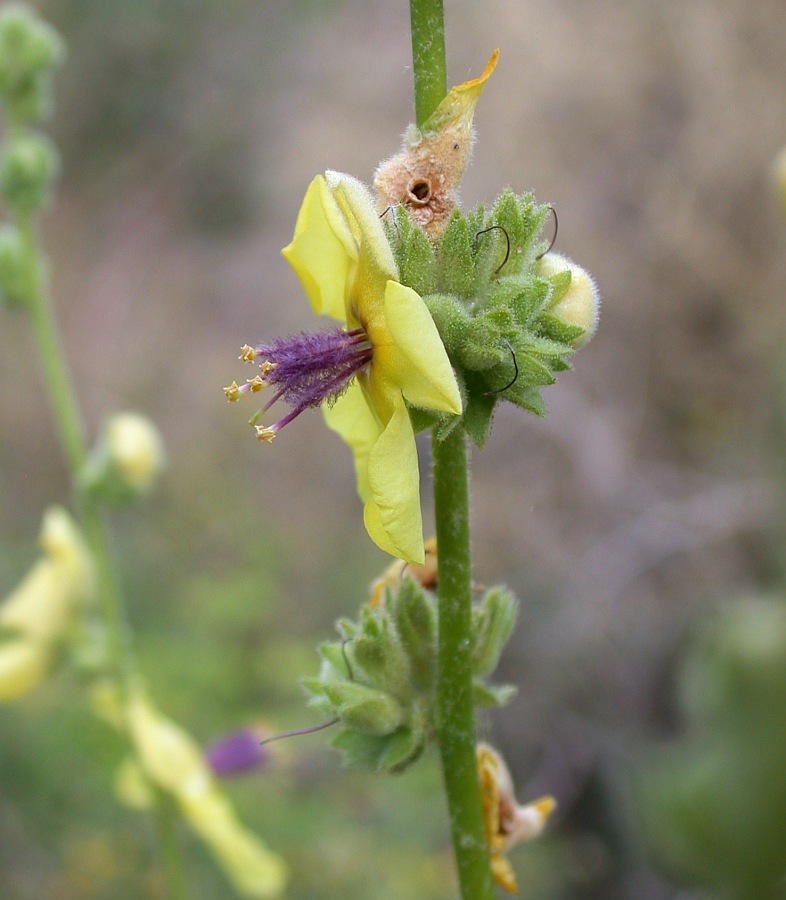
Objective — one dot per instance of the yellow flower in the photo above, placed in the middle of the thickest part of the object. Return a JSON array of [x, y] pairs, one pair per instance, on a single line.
[[581, 303], [38, 613], [507, 823], [344, 261]]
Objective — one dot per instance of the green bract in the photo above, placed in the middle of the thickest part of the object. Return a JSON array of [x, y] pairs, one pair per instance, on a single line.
[[379, 679], [480, 281], [28, 166]]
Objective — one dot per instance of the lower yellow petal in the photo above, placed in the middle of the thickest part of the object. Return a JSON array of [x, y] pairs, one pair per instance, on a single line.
[[323, 251], [392, 516], [354, 421]]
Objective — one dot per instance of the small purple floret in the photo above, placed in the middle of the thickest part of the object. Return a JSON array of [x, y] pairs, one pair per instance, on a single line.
[[236, 754]]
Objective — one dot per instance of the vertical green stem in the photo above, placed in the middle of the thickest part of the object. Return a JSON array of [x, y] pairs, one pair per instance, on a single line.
[[455, 708], [428, 56], [69, 421]]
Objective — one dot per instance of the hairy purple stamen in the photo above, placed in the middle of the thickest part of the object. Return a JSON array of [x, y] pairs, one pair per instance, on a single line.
[[310, 369]]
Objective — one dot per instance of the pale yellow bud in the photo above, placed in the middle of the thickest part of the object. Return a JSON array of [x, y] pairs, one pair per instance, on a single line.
[[24, 664], [42, 605], [135, 449], [581, 304]]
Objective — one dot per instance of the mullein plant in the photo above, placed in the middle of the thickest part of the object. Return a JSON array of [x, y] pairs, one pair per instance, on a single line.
[[442, 314], [68, 611]]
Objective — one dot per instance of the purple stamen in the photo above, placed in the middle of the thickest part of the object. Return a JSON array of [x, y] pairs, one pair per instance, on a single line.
[[310, 369]]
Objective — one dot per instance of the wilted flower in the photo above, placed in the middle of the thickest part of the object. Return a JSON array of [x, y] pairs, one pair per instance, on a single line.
[[507, 823], [388, 352]]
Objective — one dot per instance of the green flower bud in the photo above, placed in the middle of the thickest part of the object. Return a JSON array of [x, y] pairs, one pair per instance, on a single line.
[[29, 50], [126, 461], [492, 622], [15, 267], [580, 304], [28, 167], [365, 709], [415, 619]]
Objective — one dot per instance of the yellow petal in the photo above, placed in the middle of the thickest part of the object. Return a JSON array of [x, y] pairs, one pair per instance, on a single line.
[[392, 517], [323, 252], [416, 362], [132, 788], [357, 204], [354, 421], [253, 869], [23, 666]]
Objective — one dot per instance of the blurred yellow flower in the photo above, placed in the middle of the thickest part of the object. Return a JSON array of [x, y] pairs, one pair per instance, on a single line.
[[169, 758], [507, 823], [344, 261], [135, 447], [36, 615]]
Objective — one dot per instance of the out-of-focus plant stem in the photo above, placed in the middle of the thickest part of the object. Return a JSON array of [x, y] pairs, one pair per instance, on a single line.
[[67, 414], [455, 707]]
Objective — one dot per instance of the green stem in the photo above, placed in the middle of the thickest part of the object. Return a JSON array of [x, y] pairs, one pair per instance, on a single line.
[[69, 421], [428, 56], [455, 707]]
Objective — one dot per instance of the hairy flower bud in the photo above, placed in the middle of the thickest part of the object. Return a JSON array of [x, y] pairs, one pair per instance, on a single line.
[[126, 461], [29, 50], [29, 165], [579, 305]]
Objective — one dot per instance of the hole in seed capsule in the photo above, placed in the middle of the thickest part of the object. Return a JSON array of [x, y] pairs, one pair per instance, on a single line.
[[419, 191]]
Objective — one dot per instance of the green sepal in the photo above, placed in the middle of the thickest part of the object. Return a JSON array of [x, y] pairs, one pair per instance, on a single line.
[[335, 655], [378, 652], [560, 282], [422, 418], [415, 619], [455, 258], [556, 330], [492, 622], [526, 398], [390, 753], [478, 414], [418, 269], [364, 708], [451, 318], [493, 695]]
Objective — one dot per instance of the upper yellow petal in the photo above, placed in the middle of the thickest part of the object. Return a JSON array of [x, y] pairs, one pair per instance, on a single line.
[[393, 519], [24, 664], [323, 251], [411, 355]]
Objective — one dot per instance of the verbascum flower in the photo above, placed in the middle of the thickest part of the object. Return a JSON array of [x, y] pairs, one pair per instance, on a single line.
[[169, 758], [507, 823], [37, 615], [387, 354]]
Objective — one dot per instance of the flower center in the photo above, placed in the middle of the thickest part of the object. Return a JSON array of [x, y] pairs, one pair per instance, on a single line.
[[307, 370]]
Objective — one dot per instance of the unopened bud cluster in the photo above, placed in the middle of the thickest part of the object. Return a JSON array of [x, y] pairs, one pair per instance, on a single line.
[[379, 679], [509, 313], [29, 164]]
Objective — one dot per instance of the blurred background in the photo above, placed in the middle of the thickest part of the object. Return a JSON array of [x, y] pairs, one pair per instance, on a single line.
[[645, 506]]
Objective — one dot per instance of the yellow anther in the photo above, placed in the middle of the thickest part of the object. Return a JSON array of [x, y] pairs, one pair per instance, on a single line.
[[246, 353], [264, 434], [255, 384], [232, 392], [267, 367]]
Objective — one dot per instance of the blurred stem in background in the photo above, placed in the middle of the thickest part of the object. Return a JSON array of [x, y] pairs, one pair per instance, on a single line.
[[29, 165], [455, 710]]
